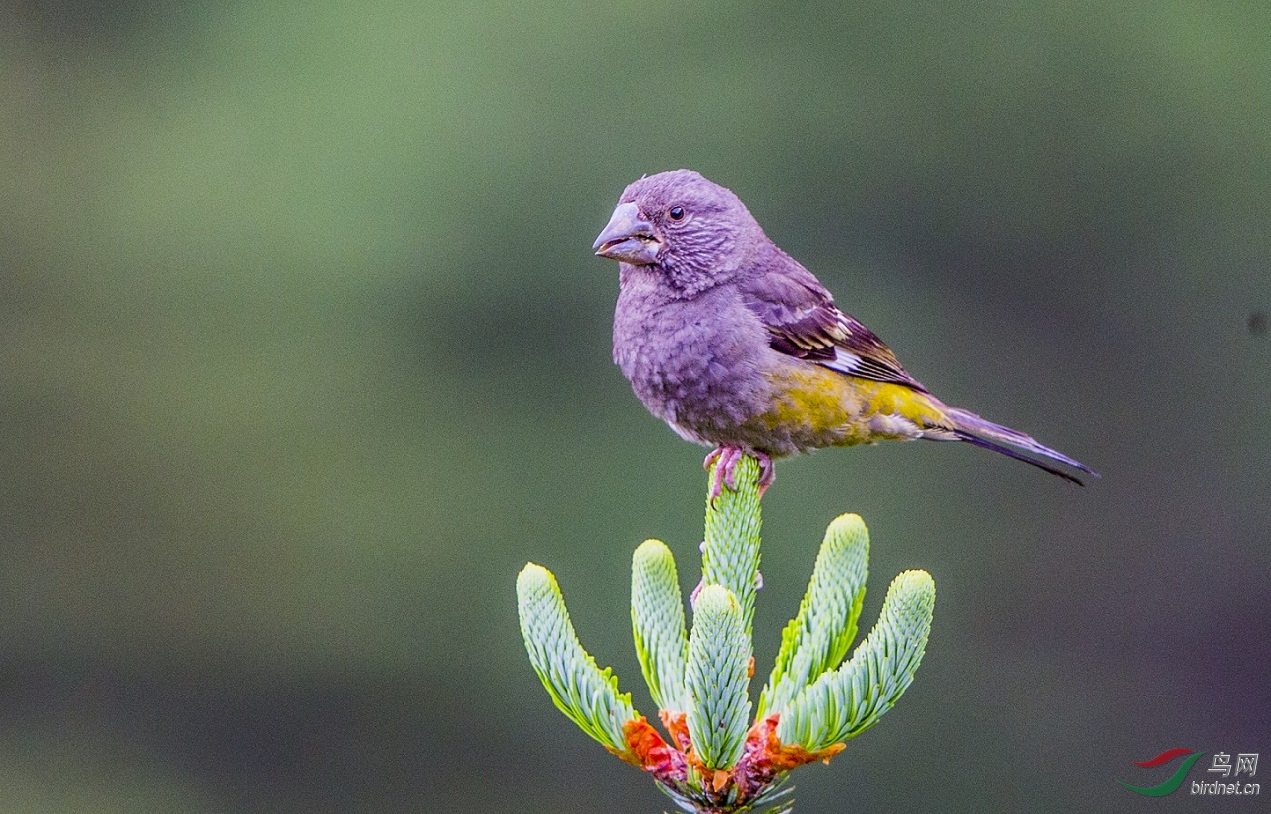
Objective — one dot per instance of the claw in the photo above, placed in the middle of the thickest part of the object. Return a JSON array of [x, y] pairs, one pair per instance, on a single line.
[[767, 472], [725, 460]]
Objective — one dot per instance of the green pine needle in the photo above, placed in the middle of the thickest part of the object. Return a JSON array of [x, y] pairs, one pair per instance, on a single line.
[[705, 672], [718, 677], [843, 703], [818, 637], [586, 694], [730, 551], [657, 620]]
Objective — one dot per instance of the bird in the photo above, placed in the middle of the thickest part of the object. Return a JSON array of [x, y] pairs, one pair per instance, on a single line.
[[738, 347]]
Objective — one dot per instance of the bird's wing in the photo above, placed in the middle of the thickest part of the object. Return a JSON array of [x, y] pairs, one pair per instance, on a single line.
[[803, 322]]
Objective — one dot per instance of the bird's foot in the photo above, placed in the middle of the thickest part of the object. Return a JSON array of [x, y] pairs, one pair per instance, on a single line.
[[767, 472], [726, 459]]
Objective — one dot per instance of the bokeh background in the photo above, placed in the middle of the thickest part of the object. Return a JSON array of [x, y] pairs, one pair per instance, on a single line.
[[304, 354]]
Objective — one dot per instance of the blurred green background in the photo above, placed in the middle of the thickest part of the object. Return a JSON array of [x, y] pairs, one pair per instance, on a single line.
[[305, 354]]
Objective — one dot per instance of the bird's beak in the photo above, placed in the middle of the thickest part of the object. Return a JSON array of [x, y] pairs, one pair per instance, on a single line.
[[628, 238]]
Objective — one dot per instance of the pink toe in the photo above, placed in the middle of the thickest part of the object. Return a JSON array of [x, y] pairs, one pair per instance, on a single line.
[[767, 472]]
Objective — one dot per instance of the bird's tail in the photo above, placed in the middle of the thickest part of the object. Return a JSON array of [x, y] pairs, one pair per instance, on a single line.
[[969, 427]]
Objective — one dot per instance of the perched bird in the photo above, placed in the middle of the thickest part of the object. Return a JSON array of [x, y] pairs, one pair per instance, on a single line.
[[737, 346]]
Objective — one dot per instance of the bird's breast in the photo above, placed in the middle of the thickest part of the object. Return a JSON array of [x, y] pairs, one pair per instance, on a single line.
[[692, 362]]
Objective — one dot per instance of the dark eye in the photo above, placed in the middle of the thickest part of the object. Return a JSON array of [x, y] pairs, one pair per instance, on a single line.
[[676, 213]]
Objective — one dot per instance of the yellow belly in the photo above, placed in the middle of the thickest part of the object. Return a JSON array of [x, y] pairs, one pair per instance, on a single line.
[[818, 407]]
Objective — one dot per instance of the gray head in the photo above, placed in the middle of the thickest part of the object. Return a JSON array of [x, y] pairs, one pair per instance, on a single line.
[[692, 232]]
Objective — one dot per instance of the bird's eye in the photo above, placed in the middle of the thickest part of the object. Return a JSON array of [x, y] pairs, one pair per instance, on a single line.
[[676, 213]]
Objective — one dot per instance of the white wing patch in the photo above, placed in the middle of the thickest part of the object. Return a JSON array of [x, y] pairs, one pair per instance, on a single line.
[[844, 362]]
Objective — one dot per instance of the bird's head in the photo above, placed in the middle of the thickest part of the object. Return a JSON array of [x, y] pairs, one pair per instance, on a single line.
[[693, 232]]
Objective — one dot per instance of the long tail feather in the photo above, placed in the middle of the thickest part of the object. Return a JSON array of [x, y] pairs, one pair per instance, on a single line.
[[1019, 456], [969, 427]]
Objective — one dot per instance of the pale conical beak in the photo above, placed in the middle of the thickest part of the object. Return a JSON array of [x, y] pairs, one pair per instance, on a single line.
[[628, 238]]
